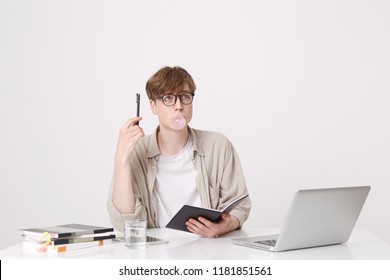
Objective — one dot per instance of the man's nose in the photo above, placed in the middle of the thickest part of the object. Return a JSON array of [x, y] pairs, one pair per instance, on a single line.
[[178, 105]]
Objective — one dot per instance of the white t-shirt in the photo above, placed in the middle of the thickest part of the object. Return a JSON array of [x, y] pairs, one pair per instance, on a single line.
[[175, 184]]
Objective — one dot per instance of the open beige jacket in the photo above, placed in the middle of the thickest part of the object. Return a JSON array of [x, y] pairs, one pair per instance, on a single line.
[[219, 180]]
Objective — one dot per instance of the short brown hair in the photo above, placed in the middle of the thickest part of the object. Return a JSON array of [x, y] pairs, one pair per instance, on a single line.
[[168, 80]]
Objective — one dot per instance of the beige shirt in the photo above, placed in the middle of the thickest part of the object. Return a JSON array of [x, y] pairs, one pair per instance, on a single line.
[[219, 178]]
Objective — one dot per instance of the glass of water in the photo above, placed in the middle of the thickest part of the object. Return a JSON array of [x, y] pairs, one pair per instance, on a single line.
[[135, 233]]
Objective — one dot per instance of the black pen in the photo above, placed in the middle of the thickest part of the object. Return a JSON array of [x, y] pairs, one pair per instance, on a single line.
[[138, 101]]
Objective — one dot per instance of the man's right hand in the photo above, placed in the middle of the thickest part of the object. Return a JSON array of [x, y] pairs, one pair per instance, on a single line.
[[129, 135]]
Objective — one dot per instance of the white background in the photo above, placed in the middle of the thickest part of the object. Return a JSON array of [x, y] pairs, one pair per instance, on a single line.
[[301, 88]]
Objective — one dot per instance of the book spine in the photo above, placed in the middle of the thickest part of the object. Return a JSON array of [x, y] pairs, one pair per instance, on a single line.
[[81, 239], [63, 248], [74, 246]]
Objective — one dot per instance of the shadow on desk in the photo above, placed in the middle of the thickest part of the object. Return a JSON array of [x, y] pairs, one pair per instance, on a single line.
[[207, 249]]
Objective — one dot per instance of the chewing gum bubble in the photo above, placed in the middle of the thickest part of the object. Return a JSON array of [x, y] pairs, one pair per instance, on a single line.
[[179, 122]]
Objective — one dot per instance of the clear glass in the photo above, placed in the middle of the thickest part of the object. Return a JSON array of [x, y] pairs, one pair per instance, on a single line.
[[135, 233]]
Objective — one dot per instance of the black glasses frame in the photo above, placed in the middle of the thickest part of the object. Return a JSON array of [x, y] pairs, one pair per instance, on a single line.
[[176, 96]]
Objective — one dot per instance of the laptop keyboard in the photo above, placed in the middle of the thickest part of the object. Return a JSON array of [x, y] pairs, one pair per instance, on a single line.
[[267, 242]]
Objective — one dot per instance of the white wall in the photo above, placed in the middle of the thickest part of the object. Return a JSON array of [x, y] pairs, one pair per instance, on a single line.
[[300, 87]]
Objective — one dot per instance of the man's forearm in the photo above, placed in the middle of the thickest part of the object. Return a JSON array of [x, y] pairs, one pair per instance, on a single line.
[[122, 194]]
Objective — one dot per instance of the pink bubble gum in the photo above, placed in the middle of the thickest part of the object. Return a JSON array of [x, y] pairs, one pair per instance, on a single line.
[[179, 122]]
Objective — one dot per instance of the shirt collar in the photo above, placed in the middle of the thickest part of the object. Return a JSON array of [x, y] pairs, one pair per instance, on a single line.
[[153, 151]]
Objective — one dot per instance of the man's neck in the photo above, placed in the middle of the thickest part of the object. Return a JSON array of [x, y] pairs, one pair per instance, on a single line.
[[170, 142]]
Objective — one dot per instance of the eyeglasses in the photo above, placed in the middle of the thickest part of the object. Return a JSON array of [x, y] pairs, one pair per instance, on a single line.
[[186, 98]]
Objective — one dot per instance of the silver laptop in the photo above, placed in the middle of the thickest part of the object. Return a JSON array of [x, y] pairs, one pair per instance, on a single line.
[[317, 217]]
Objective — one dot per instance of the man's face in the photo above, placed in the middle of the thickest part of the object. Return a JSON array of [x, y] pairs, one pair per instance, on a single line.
[[170, 115]]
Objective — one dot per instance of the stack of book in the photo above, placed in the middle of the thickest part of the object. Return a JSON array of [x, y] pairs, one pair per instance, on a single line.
[[64, 238]]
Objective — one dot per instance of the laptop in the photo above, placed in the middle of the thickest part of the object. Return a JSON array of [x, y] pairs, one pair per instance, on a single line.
[[317, 217]]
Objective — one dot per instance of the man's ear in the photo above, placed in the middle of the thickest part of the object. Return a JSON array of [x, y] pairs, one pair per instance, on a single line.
[[153, 107]]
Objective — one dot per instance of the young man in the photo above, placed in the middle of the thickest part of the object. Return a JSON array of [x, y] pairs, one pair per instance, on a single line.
[[155, 175]]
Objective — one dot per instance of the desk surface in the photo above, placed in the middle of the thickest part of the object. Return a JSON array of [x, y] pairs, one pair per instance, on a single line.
[[362, 245]]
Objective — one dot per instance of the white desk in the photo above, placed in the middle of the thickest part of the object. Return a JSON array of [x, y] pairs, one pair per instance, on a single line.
[[362, 245]]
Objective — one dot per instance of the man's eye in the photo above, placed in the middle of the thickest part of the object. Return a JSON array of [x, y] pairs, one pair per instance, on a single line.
[[168, 98]]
